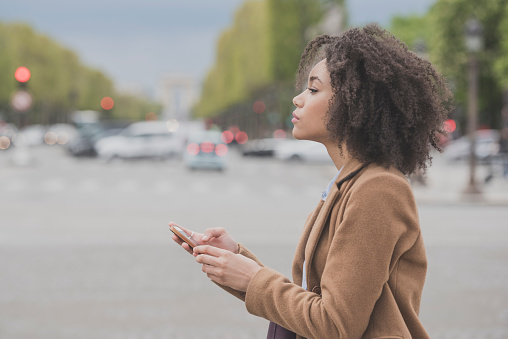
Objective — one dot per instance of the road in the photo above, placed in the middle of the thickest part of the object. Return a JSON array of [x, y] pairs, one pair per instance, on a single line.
[[85, 248]]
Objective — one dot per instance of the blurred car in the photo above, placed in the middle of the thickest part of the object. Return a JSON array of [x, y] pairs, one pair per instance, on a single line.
[[302, 150], [7, 134], [60, 134], [145, 139], [31, 135], [89, 134], [206, 150], [261, 147], [487, 145]]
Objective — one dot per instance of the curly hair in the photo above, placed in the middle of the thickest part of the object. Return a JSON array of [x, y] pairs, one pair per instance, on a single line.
[[388, 105]]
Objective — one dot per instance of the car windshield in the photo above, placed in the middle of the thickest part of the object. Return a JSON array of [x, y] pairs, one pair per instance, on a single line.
[[212, 136]]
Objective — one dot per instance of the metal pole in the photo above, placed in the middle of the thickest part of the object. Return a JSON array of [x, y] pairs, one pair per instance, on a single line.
[[472, 189]]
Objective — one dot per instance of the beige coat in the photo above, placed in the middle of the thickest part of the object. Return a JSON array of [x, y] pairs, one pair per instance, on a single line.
[[365, 262]]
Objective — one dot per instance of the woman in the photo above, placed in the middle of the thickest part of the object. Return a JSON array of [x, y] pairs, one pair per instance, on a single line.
[[360, 264]]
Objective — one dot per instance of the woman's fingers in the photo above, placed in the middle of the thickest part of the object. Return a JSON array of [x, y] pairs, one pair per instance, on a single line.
[[210, 250], [225, 267], [218, 237], [213, 233]]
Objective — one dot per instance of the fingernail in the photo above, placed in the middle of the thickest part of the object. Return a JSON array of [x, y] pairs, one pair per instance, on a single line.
[[205, 238]]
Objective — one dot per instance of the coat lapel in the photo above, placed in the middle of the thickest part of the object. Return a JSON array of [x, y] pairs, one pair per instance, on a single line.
[[300, 249], [320, 221]]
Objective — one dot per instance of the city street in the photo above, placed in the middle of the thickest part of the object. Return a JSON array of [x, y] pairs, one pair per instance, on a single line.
[[86, 251]]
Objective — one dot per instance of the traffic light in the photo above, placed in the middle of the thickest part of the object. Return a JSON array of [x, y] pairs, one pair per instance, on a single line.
[[21, 99], [22, 75]]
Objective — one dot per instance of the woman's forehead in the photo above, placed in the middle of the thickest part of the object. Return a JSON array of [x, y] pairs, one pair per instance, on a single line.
[[320, 70]]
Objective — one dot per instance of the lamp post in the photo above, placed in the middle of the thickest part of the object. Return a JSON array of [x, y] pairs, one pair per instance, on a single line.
[[474, 44]]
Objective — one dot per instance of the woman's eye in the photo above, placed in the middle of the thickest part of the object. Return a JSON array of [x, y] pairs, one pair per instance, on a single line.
[[312, 90]]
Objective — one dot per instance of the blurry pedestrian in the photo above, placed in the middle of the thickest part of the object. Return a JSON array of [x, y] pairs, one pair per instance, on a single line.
[[360, 265]]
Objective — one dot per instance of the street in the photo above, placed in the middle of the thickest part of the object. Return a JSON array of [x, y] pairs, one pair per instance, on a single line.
[[86, 251]]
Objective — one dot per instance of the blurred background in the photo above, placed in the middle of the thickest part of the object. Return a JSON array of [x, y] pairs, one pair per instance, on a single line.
[[117, 117]]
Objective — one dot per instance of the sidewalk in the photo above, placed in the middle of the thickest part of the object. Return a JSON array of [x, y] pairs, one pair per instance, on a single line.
[[446, 182]]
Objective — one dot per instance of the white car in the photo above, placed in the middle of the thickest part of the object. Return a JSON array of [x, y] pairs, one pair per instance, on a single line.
[[487, 144], [145, 139], [302, 150], [206, 150]]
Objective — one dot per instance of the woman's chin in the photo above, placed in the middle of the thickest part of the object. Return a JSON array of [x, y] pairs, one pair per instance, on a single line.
[[297, 135]]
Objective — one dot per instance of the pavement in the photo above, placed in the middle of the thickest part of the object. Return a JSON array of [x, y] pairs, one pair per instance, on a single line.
[[446, 181], [88, 253]]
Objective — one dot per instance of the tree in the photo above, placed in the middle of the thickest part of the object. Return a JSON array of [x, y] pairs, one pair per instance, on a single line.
[[412, 30], [447, 50], [60, 83], [257, 59], [242, 61]]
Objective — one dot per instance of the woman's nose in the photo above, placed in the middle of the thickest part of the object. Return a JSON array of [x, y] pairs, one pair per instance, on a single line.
[[297, 101]]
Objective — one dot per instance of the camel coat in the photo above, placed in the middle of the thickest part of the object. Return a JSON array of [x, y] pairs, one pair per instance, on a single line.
[[365, 264]]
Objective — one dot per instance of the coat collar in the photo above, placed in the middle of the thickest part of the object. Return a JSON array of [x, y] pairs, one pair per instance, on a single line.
[[348, 171]]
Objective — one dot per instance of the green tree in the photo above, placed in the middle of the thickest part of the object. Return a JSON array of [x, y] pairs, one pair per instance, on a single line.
[[242, 62], [412, 30], [257, 59], [447, 19], [60, 83], [501, 63]]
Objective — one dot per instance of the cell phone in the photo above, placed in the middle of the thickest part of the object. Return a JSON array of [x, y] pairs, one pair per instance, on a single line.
[[184, 236]]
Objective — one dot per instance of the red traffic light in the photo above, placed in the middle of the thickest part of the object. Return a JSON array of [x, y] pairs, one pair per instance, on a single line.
[[22, 74], [107, 103]]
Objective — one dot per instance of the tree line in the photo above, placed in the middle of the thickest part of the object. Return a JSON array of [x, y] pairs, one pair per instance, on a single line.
[[440, 35], [257, 58], [60, 82]]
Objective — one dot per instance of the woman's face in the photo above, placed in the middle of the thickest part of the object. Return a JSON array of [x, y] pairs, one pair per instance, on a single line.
[[309, 117]]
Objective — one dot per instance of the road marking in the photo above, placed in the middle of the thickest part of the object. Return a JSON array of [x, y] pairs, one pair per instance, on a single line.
[[278, 191], [88, 185], [14, 186], [128, 186], [53, 185], [163, 186], [236, 189]]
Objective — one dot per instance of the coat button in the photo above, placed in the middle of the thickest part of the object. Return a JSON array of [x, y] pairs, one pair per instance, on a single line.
[[317, 290]]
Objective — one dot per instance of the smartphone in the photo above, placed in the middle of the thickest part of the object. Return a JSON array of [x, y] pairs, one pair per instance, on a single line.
[[184, 236]]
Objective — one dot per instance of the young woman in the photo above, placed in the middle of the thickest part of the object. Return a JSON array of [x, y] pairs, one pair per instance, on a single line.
[[360, 265]]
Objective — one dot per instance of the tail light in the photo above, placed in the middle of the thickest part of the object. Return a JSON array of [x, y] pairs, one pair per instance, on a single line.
[[227, 137], [241, 137], [207, 147], [193, 149], [221, 150]]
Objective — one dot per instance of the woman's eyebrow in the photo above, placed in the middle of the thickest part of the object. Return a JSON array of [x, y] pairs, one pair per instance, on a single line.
[[312, 78]]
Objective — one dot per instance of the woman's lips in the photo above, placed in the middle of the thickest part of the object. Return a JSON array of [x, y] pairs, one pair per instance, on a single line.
[[295, 118]]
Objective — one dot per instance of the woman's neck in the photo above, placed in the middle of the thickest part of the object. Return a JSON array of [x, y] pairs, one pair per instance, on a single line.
[[334, 152]]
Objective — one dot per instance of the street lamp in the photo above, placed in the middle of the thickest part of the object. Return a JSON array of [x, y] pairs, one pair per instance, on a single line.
[[474, 44]]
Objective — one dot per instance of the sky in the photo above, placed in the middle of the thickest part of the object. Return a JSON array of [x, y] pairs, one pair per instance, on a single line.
[[137, 42]]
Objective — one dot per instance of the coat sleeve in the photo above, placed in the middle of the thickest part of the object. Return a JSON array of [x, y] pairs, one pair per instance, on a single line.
[[379, 216], [245, 252]]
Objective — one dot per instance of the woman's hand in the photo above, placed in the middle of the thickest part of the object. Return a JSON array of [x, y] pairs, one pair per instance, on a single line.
[[226, 268], [217, 237]]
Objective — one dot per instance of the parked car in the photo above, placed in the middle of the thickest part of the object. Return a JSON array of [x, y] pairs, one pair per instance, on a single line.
[[487, 144], [89, 134], [145, 139], [206, 150], [31, 135], [261, 147], [7, 134], [60, 134], [302, 150]]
